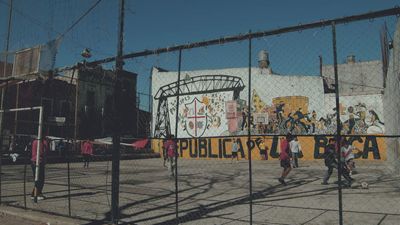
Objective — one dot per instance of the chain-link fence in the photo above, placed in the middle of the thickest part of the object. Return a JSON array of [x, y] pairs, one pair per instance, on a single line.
[[290, 126]]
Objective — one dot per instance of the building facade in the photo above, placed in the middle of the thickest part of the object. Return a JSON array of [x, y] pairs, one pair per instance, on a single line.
[[84, 93]]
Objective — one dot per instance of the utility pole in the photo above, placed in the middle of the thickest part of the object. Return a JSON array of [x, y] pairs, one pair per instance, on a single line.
[[5, 64], [3, 90], [117, 120]]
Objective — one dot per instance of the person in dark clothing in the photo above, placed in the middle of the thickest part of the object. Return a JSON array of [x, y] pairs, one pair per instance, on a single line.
[[332, 163]]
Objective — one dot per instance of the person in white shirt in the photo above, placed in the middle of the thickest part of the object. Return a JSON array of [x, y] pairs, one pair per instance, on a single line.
[[235, 149], [295, 149], [348, 155]]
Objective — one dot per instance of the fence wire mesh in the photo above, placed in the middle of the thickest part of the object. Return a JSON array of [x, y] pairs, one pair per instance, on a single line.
[[244, 132]]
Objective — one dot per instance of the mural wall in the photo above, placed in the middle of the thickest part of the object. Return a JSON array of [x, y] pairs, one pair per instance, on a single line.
[[372, 147], [200, 115], [286, 105]]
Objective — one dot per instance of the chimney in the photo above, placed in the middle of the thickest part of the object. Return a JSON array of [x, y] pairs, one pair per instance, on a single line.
[[351, 59], [263, 59]]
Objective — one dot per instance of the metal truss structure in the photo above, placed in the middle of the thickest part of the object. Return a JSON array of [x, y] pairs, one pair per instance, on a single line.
[[191, 86]]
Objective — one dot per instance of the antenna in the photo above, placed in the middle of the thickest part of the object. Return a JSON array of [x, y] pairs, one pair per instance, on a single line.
[[384, 52]]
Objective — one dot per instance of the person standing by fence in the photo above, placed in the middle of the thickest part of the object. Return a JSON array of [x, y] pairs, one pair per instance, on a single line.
[[39, 183], [235, 149], [87, 152], [295, 148]]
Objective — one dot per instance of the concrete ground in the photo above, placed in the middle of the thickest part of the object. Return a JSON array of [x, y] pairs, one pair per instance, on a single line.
[[210, 192]]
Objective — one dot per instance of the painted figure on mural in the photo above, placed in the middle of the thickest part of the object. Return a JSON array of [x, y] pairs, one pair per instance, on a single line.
[[290, 123], [376, 126], [352, 120], [301, 120], [279, 110], [245, 124], [244, 118], [313, 121]]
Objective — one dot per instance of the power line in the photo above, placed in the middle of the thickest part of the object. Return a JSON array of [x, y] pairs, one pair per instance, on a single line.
[[31, 19], [39, 23], [79, 19]]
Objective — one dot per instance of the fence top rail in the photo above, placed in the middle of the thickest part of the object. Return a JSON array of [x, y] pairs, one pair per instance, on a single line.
[[395, 11]]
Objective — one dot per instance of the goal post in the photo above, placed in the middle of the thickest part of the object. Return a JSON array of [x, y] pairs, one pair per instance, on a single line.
[[39, 138]]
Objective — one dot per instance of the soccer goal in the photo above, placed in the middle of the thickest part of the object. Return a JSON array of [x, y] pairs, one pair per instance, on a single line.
[[39, 137]]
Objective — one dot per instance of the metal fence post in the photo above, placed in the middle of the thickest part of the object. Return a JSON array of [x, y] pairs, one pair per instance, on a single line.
[[25, 165], [249, 137], [66, 149], [176, 136], [4, 90], [338, 127], [116, 155]]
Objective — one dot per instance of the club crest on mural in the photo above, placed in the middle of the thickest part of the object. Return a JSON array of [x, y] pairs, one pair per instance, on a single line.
[[195, 118]]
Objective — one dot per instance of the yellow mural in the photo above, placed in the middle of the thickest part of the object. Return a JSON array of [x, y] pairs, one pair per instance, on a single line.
[[372, 147], [292, 104]]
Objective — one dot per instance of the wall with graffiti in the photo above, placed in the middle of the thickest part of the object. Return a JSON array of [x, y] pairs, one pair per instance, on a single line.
[[268, 148], [200, 115], [213, 106]]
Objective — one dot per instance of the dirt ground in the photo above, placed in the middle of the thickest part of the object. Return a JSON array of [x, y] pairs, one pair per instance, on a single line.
[[7, 219]]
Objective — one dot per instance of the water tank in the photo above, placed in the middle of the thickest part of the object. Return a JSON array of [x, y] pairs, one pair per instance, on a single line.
[[351, 59], [263, 59]]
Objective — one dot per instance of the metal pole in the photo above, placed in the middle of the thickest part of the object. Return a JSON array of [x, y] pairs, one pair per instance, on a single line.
[[249, 137], [338, 128], [137, 115], [151, 111], [25, 181], [67, 152], [3, 90], [16, 113], [68, 178], [116, 136], [38, 146], [40, 108], [176, 136]]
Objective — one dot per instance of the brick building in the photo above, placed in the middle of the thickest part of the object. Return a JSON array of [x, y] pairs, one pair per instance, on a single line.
[[85, 93]]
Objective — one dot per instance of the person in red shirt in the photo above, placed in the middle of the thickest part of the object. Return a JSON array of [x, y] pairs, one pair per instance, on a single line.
[[39, 184], [87, 152], [170, 146], [284, 158]]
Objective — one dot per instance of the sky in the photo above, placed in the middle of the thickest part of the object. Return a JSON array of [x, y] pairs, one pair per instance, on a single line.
[[154, 24]]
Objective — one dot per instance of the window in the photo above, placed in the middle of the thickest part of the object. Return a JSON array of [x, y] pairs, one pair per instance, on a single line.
[[90, 99], [47, 104], [64, 108]]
